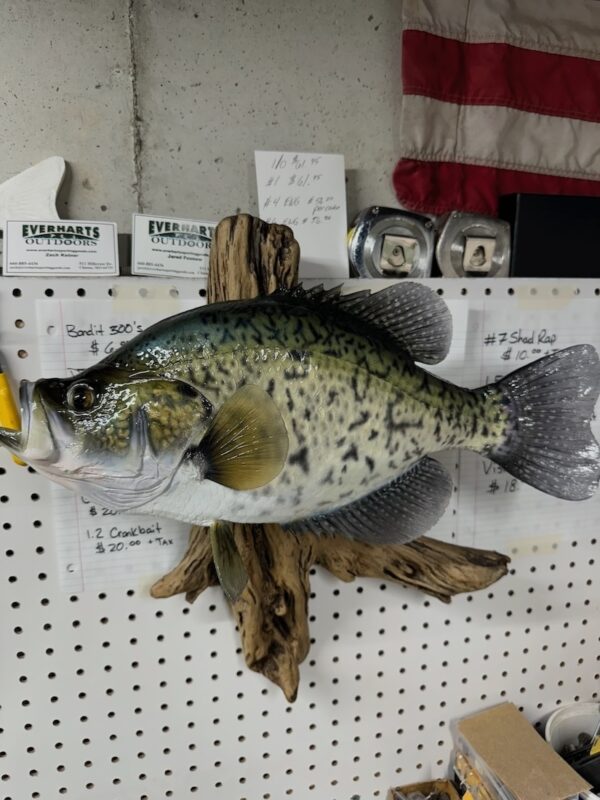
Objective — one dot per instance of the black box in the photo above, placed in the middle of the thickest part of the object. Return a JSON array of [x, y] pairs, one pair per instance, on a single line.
[[553, 236]]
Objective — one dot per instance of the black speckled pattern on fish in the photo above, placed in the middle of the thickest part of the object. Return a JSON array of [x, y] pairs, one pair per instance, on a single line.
[[357, 411]]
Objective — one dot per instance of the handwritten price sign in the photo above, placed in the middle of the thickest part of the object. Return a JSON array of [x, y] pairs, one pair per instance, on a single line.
[[307, 191]]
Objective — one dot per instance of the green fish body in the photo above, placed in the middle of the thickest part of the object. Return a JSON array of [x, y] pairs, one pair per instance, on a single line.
[[308, 409], [358, 413]]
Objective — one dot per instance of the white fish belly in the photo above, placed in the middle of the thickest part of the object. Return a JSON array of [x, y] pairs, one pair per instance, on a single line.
[[203, 502]]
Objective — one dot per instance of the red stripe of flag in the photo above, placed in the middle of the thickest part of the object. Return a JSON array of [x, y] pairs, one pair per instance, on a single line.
[[438, 187], [501, 75]]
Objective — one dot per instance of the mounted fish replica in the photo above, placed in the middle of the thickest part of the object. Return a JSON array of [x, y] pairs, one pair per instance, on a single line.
[[304, 408]]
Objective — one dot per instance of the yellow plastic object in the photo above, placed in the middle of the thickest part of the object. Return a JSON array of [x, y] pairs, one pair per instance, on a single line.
[[9, 416]]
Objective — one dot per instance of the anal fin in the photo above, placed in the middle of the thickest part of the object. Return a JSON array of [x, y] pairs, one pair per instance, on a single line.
[[228, 562], [402, 510]]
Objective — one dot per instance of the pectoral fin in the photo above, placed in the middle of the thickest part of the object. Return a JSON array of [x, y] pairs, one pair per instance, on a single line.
[[246, 444], [397, 513], [228, 563]]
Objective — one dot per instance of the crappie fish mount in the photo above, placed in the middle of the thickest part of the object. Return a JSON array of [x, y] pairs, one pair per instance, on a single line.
[[305, 411], [249, 257]]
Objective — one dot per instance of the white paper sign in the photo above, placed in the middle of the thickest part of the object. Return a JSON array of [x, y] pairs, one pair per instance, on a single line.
[[494, 507], [307, 191], [97, 547], [170, 246], [63, 247]]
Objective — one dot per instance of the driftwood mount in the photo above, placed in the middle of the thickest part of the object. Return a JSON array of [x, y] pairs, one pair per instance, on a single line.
[[249, 257]]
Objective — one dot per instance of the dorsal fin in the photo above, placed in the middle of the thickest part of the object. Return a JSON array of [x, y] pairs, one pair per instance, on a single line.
[[408, 315]]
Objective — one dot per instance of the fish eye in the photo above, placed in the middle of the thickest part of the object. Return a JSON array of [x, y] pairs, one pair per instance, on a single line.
[[80, 397]]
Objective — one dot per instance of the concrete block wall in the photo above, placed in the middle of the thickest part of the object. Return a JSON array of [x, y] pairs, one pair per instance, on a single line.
[[158, 105]]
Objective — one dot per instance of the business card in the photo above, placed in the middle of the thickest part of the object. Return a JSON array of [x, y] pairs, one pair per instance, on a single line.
[[60, 247], [170, 246]]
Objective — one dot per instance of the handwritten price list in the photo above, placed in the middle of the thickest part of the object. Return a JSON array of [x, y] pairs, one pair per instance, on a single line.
[[116, 538], [307, 191], [287, 190], [104, 342], [97, 546], [521, 345], [493, 505]]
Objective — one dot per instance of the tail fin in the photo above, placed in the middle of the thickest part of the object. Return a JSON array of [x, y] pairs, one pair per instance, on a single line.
[[550, 403]]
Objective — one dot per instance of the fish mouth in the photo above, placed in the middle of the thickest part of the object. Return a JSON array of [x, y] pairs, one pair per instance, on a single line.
[[15, 438], [33, 441], [11, 439]]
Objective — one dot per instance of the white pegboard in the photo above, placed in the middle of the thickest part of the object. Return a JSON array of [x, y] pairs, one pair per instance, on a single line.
[[114, 695]]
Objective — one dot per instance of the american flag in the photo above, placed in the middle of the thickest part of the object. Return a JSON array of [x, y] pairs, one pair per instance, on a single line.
[[499, 96]]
